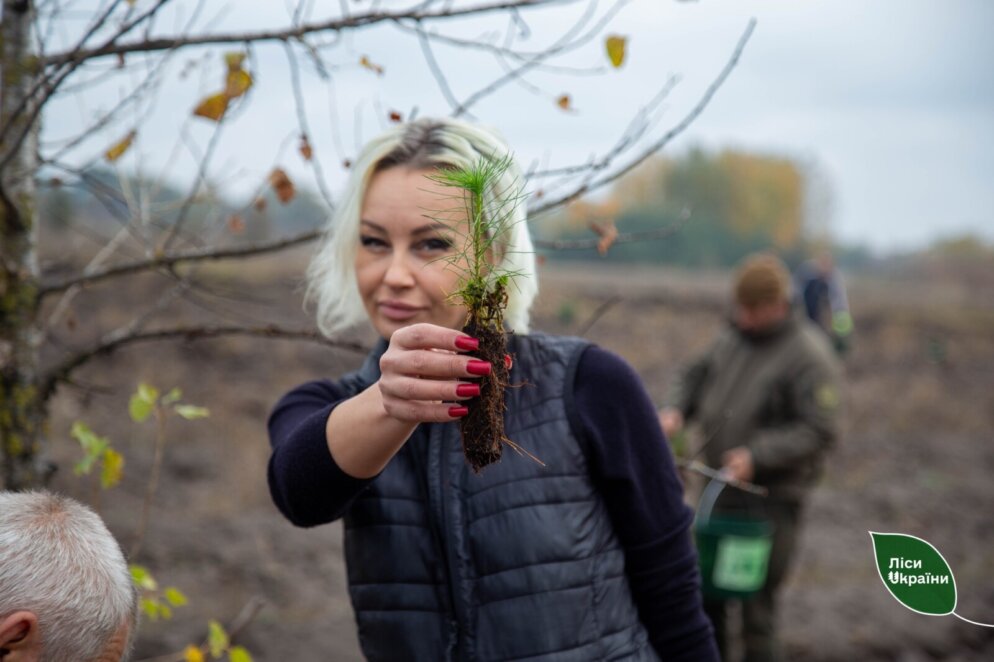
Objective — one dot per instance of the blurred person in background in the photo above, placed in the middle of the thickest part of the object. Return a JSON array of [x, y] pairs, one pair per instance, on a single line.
[[587, 557], [766, 395], [820, 291], [66, 593]]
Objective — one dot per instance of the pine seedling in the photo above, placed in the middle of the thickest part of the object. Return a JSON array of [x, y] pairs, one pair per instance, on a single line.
[[489, 201]]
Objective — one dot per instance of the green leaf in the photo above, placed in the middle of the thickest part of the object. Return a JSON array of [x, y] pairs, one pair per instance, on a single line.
[[175, 597], [112, 469], [239, 654], [143, 402], [190, 412], [192, 654], [915, 573], [151, 608], [148, 392], [165, 611], [171, 397], [143, 578], [217, 638], [93, 447]]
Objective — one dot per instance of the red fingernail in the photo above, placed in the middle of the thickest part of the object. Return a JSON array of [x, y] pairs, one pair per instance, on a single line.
[[456, 412], [508, 361], [475, 367], [467, 343], [464, 390]]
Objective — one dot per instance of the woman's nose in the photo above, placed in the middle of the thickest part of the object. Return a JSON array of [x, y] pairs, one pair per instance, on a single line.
[[399, 272]]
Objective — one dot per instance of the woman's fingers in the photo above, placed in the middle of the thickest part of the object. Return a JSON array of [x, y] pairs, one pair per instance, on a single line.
[[432, 336], [424, 378], [424, 412], [432, 364], [411, 388]]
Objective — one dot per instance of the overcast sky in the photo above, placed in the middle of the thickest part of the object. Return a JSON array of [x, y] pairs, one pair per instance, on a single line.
[[892, 100]]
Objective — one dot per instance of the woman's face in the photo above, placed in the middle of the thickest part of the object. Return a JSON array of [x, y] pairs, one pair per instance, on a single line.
[[407, 223]]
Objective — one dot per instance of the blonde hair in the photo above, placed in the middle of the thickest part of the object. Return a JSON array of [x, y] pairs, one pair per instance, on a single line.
[[422, 144]]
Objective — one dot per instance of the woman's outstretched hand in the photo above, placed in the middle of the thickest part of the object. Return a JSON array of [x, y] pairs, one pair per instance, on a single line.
[[425, 374]]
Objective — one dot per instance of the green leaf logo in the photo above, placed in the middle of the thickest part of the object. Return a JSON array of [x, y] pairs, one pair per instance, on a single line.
[[915, 573]]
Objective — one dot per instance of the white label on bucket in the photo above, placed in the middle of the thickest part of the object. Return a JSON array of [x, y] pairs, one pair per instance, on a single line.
[[740, 563]]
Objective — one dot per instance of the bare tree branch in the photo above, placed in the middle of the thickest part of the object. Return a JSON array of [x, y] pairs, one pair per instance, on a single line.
[[160, 261], [564, 44], [436, 70], [638, 126], [47, 84], [520, 56], [626, 238], [298, 95], [587, 187], [295, 32], [62, 371]]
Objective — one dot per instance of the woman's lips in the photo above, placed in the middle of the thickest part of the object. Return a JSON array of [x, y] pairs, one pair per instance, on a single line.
[[397, 311]]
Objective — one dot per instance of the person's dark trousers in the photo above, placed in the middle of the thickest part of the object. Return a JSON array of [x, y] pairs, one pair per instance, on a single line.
[[760, 640]]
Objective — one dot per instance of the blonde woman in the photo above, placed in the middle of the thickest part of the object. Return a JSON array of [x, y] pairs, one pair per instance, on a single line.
[[585, 558]]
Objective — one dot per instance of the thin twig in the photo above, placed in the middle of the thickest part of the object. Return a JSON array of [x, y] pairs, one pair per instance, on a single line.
[[295, 32], [153, 480], [298, 95], [62, 371], [169, 260], [241, 622], [626, 238], [597, 314], [588, 187], [436, 70]]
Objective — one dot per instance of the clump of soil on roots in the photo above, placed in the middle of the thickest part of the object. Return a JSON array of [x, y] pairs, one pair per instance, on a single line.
[[483, 427]]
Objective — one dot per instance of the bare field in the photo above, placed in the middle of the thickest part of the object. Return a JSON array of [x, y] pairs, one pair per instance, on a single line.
[[917, 457]]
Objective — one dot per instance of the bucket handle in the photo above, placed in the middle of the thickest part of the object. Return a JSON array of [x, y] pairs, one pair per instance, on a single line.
[[708, 499]]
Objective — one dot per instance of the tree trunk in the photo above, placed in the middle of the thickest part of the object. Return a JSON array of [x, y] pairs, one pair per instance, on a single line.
[[22, 408]]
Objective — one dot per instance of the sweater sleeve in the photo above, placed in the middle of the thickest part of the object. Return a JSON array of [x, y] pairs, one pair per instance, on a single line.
[[305, 482], [632, 464]]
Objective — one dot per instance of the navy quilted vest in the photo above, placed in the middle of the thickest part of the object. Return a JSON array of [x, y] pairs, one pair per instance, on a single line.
[[518, 563]]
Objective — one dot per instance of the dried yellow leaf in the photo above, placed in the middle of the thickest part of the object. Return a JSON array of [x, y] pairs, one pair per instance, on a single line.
[[236, 224], [193, 654], [564, 102], [213, 107], [616, 49], [234, 60], [608, 234], [282, 185], [239, 81], [367, 63], [113, 469], [118, 150], [306, 150]]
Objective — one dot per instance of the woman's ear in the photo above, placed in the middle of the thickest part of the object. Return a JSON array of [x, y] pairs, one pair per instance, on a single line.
[[19, 637]]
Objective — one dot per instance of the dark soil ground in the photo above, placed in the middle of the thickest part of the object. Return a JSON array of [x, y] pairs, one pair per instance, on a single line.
[[917, 457]]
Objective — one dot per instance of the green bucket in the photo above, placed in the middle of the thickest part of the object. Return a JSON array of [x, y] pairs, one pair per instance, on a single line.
[[734, 551]]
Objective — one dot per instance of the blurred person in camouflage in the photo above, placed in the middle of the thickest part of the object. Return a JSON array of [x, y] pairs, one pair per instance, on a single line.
[[66, 593], [766, 395]]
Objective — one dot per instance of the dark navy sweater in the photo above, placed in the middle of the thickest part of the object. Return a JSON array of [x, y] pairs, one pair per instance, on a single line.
[[630, 460]]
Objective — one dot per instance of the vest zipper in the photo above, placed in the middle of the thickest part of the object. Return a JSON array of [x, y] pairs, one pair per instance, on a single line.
[[436, 501]]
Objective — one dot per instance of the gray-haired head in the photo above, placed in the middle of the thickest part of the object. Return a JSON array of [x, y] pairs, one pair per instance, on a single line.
[[59, 562], [423, 144]]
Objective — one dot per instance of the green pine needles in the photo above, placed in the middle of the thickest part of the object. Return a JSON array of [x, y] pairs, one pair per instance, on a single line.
[[489, 202], [490, 199]]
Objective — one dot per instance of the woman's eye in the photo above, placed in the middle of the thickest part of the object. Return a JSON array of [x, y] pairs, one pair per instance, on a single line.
[[436, 244], [371, 242]]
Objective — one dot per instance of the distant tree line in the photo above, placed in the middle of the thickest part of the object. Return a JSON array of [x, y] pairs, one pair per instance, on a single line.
[[721, 205]]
